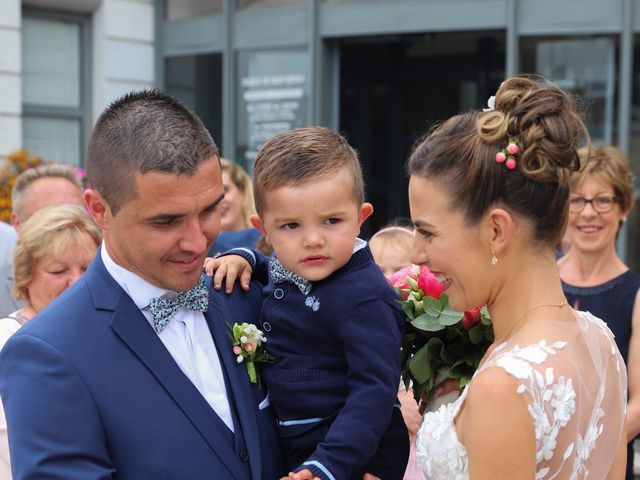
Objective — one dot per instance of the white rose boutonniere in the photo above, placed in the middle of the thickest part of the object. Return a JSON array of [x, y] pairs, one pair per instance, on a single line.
[[247, 346]]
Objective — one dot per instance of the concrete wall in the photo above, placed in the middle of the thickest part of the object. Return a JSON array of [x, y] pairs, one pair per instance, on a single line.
[[122, 55], [123, 50], [10, 82]]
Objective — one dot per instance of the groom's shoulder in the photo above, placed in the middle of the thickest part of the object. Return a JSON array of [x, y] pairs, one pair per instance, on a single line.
[[238, 301], [69, 310]]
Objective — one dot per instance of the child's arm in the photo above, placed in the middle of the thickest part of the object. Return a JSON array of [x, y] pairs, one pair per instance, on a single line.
[[237, 264]]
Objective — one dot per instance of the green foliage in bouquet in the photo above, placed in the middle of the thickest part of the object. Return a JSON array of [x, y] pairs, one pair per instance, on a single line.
[[436, 336]]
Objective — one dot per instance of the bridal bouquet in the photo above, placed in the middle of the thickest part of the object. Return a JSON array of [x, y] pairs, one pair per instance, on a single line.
[[439, 343]]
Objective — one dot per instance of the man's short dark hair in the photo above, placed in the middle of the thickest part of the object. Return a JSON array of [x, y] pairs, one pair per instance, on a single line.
[[140, 132]]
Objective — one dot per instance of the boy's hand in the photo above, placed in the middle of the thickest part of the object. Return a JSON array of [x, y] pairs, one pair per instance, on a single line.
[[230, 267]]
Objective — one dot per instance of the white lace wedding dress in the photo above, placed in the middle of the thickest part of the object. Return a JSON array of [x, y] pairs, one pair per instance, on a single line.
[[574, 383]]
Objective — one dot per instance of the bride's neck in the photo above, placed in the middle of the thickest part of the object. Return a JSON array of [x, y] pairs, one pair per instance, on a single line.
[[529, 288]]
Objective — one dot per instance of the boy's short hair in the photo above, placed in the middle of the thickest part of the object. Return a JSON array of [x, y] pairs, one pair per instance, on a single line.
[[302, 155]]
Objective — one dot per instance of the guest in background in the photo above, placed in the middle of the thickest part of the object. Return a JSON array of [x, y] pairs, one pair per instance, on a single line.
[[594, 278], [55, 247], [36, 188], [235, 210], [391, 249]]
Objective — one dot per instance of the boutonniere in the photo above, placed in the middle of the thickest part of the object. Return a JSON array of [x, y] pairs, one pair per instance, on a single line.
[[247, 346]]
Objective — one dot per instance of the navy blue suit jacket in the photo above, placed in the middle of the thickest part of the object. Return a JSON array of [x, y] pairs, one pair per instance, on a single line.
[[90, 392]]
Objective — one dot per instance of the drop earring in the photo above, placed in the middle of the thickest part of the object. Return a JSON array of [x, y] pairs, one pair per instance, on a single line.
[[494, 259]]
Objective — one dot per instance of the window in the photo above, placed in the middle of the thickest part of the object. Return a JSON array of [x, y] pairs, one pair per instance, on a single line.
[[192, 8], [245, 4], [583, 66], [197, 81], [272, 98], [53, 84]]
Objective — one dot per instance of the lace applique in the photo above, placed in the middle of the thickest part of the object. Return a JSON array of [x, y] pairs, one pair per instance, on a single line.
[[438, 452], [551, 402]]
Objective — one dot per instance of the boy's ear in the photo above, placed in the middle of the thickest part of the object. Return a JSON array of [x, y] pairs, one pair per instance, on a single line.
[[257, 223], [365, 212]]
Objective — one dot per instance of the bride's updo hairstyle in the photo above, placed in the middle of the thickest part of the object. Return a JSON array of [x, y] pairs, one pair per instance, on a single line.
[[461, 154]]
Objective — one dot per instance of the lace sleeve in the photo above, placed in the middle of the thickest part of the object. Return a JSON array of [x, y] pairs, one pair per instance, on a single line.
[[568, 384]]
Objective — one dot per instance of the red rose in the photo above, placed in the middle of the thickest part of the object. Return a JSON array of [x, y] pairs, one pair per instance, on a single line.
[[471, 318]]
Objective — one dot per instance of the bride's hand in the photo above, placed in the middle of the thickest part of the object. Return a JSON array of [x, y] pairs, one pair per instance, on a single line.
[[447, 386]]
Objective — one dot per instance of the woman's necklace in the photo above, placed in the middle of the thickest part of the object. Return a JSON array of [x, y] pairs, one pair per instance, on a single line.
[[527, 312]]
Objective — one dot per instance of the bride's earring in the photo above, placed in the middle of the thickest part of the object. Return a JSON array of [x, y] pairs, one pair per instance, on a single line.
[[494, 259]]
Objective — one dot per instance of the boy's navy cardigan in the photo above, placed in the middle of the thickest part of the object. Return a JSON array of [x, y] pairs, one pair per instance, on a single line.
[[337, 355]]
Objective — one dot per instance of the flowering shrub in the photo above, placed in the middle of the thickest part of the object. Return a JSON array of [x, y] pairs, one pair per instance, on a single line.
[[16, 163], [436, 336]]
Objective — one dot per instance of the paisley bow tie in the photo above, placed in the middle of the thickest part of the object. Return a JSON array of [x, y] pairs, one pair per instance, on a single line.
[[280, 274], [164, 308]]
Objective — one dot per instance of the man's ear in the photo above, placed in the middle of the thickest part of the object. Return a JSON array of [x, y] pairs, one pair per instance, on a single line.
[[365, 212], [98, 208], [256, 221], [15, 221]]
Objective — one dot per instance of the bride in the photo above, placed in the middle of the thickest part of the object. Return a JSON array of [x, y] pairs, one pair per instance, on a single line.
[[488, 194]]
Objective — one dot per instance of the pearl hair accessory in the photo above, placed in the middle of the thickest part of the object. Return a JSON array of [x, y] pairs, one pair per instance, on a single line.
[[507, 154]]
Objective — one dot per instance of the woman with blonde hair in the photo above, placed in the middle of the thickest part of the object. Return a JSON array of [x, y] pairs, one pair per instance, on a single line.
[[235, 210], [55, 247]]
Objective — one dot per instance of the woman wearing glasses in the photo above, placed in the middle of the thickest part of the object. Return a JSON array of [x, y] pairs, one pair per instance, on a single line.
[[594, 278]]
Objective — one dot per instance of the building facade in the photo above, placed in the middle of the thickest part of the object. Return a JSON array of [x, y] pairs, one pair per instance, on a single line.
[[380, 71]]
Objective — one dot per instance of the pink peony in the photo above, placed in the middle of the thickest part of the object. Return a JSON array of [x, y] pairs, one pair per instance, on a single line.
[[471, 318], [398, 279], [500, 157], [512, 148], [237, 350], [248, 347], [428, 283]]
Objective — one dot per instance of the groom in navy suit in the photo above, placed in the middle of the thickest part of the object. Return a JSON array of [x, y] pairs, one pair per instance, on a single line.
[[130, 373]]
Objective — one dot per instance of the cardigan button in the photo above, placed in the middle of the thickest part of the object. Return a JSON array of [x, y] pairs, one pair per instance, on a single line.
[[244, 456], [266, 326], [278, 293]]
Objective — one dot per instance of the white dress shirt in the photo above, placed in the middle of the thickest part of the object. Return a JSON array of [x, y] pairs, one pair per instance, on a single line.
[[187, 338]]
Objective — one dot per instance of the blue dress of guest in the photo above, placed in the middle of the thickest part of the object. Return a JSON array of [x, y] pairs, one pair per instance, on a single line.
[[247, 238], [613, 302]]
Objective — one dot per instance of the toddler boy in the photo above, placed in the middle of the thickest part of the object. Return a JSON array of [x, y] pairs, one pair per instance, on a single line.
[[330, 317]]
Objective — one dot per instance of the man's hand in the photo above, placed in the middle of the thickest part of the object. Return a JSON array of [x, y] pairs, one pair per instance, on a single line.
[[230, 267], [307, 475], [301, 475]]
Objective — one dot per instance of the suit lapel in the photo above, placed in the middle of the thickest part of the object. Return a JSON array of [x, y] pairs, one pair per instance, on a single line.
[[217, 317], [134, 330]]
